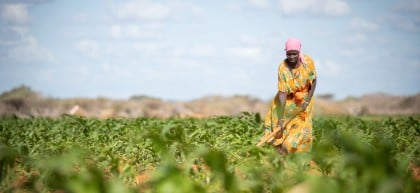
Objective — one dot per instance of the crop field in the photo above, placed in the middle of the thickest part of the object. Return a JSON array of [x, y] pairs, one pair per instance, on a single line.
[[216, 154]]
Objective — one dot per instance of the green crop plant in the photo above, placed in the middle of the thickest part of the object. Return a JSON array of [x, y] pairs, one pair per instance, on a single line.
[[215, 154]]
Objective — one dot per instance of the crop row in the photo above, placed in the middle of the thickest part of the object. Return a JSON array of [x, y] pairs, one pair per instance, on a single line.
[[217, 154]]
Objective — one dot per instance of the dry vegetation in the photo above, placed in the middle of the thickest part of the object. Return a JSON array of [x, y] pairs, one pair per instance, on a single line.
[[24, 102]]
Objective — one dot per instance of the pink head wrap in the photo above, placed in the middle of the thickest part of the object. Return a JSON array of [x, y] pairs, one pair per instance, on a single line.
[[294, 44]]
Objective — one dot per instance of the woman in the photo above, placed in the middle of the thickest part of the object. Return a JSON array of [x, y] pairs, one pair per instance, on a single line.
[[291, 108]]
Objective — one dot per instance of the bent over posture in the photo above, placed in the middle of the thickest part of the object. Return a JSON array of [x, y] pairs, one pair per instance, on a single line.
[[291, 108]]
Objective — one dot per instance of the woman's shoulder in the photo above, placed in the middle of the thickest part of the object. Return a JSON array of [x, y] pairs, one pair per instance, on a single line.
[[308, 58], [309, 62], [282, 64]]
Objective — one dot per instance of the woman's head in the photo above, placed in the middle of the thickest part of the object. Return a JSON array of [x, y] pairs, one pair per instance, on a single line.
[[293, 44], [293, 51]]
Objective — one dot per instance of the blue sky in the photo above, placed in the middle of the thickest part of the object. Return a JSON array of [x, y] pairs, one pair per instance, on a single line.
[[184, 49]]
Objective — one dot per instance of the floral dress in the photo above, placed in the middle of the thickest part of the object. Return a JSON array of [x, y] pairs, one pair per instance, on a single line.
[[297, 135]]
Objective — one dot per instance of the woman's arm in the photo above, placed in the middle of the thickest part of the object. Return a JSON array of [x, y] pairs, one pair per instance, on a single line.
[[282, 98], [310, 94]]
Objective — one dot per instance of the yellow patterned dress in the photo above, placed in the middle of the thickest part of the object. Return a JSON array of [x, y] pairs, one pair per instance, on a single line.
[[297, 135]]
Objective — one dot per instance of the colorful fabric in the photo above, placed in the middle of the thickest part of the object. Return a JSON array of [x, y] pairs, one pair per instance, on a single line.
[[297, 135]]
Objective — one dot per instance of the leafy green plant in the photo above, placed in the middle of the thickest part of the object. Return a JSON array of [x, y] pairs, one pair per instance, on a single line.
[[215, 154]]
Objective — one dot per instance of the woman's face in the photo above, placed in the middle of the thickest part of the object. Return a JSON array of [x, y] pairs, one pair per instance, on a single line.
[[292, 56]]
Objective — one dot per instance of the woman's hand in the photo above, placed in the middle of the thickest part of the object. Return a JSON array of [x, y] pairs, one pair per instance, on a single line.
[[280, 124]]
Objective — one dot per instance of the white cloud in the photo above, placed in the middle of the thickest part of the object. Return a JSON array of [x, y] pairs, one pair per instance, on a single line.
[[263, 4], [335, 7], [323, 32], [363, 25], [188, 64], [352, 52], [88, 48], [315, 7], [356, 38], [142, 9], [116, 31], [17, 45], [245, 52], [407, 25], [135, 31], [408, 5], [414, 64], [152, 10], [18, 32], [117, 71], [195, 51], [81, 17], [406, 15], [204, 50], [178, 8], [406, 22], [178, 70], [30, 51], [196, 10], [328, 67], [148, 48], [21, 31], [235, 7], [14, 13], [83, 71], [250, 40]]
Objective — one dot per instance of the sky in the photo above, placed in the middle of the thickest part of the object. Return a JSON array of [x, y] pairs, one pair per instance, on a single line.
[[185, 49]]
